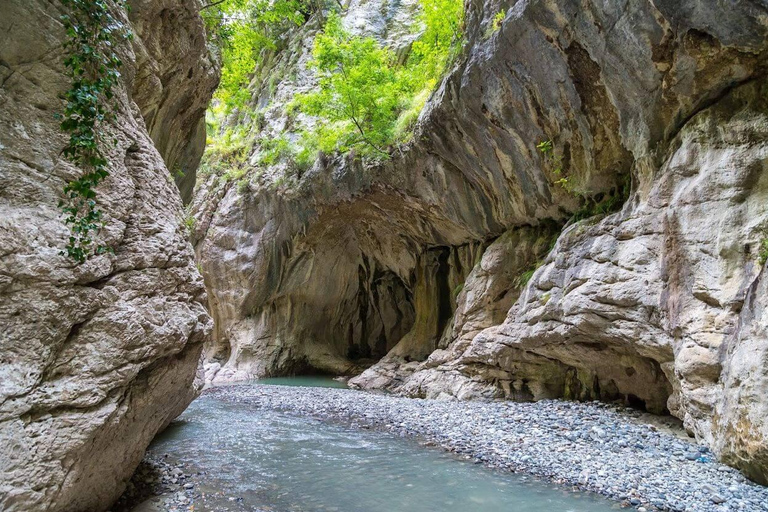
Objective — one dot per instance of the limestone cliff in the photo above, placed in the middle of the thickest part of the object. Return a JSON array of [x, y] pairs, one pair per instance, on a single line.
[[656, 108], [96, 358]]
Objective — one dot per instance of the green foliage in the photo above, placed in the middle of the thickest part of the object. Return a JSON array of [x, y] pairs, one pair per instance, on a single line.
[[92, 66], [177, 172], [235, 174], [556, 163], [762, 253], [545, 147], [366, 100], [526, 276], [495, 26], [609, 203], [403, 129], [612, 202], [305, 154], [242, 29], [189, 222], [498, 19], [242, 185], [273, 150], [225, 148], [298, 157], [359, 90], [546, 238], [443, 22]]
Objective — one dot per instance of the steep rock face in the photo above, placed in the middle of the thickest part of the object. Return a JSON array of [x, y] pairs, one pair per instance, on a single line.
[[639, 305], [174, 83], [739, 427], [95, 358], [483, 299], [646, 305]]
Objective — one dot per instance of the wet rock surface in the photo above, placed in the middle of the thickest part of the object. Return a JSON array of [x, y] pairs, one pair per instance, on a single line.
[[161, 484], [604, 448]]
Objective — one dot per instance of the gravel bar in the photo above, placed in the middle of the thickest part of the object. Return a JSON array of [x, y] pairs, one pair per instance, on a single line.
[[603, 448]]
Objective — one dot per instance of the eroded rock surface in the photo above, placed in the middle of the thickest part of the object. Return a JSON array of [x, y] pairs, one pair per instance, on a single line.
[[95, 358], [641, 304], [656, 104]]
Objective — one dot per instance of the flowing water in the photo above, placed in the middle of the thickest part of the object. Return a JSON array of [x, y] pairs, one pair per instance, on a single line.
[[304, 380], [256, 459]]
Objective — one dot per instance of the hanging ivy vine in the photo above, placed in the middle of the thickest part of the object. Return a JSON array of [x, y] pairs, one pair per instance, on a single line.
[[92, 64]]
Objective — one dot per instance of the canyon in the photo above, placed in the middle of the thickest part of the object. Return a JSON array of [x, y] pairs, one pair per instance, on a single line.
[[419, 263], [581, 214]]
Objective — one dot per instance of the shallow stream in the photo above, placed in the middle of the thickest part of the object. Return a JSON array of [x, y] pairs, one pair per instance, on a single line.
[[257, 459]]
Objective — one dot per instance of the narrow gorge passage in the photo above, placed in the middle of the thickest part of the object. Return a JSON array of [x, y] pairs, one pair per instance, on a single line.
[[383, 255]]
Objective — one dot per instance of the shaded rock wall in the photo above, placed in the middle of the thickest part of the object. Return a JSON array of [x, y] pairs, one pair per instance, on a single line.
[[645, 305], [175, 80], [95, 358]]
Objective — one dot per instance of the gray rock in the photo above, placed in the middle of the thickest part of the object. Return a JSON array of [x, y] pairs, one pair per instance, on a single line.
[[95, 358], [716, 498]]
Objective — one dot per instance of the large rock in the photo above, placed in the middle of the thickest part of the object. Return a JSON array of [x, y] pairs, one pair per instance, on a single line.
[[95, 358], [740, 420], [482, 299], [640, 305], [327, 269]]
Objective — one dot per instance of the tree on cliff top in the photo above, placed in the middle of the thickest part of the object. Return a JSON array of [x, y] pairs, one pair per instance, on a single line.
[[359, 90], [242, 29], [365, 99]]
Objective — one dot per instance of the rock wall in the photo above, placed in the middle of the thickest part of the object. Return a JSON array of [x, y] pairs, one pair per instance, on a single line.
[[95, 358], [640, 304], [175, 80], [654, 107]]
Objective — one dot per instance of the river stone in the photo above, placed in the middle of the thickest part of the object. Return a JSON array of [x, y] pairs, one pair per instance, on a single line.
[[95, 358]]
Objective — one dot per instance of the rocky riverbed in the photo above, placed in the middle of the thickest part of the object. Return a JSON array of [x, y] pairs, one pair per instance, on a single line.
[[641, 461], [598, 447]]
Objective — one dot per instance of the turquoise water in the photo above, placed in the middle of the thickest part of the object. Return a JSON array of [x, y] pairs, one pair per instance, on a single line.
[[256, 459], [304, 380]]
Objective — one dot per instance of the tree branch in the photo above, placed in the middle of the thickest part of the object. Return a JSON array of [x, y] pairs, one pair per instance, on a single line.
[[353, 106], [213, 4]]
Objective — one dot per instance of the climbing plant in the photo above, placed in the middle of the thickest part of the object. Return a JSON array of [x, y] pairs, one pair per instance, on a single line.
[[556, 162], [92, 64], [762, 253]]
